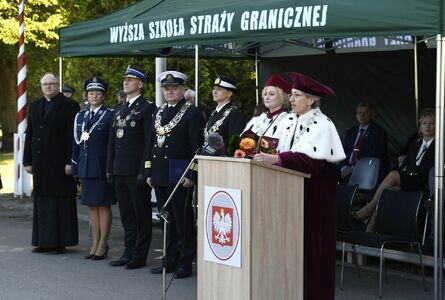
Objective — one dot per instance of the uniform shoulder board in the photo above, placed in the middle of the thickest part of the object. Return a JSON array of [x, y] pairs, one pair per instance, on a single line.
[[109, 109], [83, 110]]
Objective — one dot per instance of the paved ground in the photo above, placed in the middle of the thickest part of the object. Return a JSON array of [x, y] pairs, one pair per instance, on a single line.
[[25, 275]]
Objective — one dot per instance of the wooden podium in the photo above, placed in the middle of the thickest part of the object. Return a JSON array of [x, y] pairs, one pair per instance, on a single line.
[[271, 231]]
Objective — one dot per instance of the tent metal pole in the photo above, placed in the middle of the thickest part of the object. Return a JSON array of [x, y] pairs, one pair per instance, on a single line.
[[161, 65], [60, 73], [256, 76], [196, 75], [438, 170], [416, 78]]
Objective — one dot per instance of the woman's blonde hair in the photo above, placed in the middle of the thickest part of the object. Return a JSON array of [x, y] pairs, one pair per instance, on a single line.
[[427, 112], [281, 95]]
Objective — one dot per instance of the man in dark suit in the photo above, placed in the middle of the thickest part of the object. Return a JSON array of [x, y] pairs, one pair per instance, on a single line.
[[177, 133], [47, 156], [365, 140], [125, 170]]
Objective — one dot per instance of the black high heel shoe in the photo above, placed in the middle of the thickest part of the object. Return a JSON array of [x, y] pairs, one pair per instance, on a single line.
[[89, 256], [99, 257]]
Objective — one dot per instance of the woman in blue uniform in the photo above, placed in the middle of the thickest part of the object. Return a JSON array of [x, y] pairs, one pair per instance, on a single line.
[[91, 130]]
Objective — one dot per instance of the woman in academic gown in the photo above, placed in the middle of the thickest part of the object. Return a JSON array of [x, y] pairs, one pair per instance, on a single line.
[[310, 144], [276, 99], [91, 132]]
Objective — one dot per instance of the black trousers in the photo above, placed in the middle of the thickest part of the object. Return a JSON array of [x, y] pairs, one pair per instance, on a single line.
[[181, 231], [135, 209]]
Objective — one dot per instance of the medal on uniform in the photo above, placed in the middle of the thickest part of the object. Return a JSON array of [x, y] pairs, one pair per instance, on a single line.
[[160, 139], [160, 131], [133, 123], [120, 133], [84, 136]]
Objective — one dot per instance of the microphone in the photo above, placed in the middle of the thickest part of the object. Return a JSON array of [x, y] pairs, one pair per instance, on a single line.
[[213, 145]]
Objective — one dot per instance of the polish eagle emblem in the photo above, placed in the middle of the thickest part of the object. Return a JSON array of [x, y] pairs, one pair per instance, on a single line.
[[222, 226]]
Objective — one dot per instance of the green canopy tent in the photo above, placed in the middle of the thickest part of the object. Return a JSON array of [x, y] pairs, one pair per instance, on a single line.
[[242, 28], [153, 27]]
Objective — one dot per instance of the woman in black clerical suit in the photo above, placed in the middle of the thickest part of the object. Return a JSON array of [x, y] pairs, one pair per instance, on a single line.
[[413, 172], [91, 130]]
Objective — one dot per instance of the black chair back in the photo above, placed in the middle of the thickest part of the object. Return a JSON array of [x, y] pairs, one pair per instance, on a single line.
[[398, 214], [344, 196], [366, 174]]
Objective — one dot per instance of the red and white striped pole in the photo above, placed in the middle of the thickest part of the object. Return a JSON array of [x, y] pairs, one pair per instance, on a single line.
[[21, 180]]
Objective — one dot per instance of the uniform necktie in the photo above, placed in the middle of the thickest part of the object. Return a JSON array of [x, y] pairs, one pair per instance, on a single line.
[[357, 146], [421, 154]]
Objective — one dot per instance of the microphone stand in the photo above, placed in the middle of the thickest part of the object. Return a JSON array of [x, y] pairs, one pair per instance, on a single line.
[[164, 215]]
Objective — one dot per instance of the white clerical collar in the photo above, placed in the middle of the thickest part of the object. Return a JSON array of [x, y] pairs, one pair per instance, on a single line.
[[130, 101], [95, 110], [218, 109]]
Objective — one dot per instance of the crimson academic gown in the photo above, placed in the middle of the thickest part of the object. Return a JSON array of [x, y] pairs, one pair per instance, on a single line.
[[319, 224]]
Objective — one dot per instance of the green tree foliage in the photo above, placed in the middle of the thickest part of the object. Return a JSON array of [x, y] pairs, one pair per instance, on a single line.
[[44, 18]]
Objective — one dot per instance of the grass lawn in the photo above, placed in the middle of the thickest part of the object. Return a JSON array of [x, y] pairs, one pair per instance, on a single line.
[[7, 172]]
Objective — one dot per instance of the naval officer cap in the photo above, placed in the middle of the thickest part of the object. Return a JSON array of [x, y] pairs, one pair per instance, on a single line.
[[66, 88], [308, 85], [134, 72], [226, 82], [172, 78], [95, 84]]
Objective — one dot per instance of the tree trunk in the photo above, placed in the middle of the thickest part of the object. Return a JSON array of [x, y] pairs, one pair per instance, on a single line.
[[8, 99]]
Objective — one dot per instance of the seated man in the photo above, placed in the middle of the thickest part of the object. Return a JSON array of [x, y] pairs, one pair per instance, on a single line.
[[367, 139]]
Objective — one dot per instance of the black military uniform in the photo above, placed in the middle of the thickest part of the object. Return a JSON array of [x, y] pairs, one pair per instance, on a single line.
[[125, 160], [229, 120], [176, 135]]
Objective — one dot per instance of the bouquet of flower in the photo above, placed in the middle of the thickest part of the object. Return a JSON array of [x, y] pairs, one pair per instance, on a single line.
[[249, 143]]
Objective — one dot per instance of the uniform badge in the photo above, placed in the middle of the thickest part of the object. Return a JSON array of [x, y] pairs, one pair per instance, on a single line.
[[160, 140], [133, 123], [84, 136], [120, 133], [217, 81], [169, 77], [160, 131]]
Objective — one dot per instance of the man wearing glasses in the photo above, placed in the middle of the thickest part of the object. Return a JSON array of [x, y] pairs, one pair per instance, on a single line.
[[47, 156]]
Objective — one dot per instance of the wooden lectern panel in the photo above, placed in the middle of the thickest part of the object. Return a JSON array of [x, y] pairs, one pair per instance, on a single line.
[[277, 235], [272, 232], [235, 175]]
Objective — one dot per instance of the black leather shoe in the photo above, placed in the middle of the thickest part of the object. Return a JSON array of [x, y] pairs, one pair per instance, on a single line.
[[119, 263], [158, 270], [89, 256], [183, 273], [59, 250], [135, 264], [41, 250]]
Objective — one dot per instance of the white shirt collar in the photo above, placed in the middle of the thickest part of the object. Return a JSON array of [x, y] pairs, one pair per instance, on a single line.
[[130, 101], [218, 109], [95, 110]]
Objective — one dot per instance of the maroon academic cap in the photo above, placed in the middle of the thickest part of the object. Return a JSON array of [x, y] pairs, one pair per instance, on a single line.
[[277, 81], [309, 85]]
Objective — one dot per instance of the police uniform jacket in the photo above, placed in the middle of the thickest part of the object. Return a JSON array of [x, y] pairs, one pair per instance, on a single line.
[[90, 157], [48, 146], [125, 153], [180, 144], [233, 124]]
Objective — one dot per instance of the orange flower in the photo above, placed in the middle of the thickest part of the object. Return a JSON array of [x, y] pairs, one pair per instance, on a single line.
[[264, 144], [247, 143], [239, 153]]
